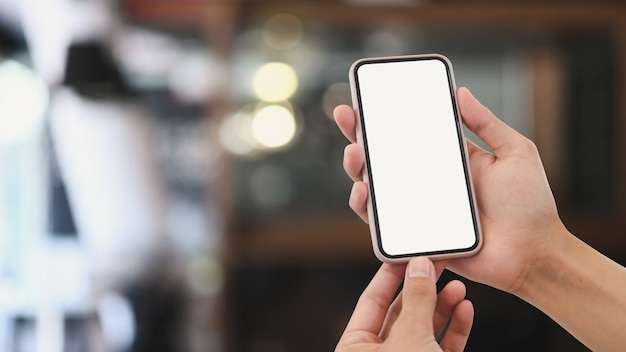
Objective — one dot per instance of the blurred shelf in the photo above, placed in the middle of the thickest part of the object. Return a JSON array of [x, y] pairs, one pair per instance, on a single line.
[[512, 14], [304, 239], [310, 238], [324, 248], [570, 14]]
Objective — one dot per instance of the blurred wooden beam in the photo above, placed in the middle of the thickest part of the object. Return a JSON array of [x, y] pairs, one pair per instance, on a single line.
[[454, 14], [188, 12]]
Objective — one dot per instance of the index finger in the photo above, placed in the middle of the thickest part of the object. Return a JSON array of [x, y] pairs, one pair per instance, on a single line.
[[372, 307], [346, 120]]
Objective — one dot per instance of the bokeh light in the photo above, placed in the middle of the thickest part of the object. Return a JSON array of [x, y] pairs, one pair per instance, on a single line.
[[273, 126], [235, 133], [205, 274], [283, 31], [275, 82]]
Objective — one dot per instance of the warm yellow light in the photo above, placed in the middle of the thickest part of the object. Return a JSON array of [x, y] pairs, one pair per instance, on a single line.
[[274, 126], [275, 82]]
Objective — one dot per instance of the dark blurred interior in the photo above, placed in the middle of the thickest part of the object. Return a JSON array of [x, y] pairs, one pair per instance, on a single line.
[[174, 181]]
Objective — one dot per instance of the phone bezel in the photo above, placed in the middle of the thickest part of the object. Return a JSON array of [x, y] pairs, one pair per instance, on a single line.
[[362, 140]]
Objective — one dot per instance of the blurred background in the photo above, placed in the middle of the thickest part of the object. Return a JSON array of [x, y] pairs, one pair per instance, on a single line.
[[171, 176]]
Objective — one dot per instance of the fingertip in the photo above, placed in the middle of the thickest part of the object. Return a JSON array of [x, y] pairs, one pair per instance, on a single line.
[[464, 91], [337, 111], [459, 287], [464, 95], [420, 267], [480, 120], [448, 299], [342, 114], [468, 305], [468, 105], [345, 120]]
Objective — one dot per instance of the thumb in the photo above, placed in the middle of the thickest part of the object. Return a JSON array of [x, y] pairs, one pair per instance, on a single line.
[[419, 297], [498, 135]]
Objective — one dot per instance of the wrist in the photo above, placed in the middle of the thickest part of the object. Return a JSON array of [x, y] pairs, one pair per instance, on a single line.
[[548, 264], [580, 289]]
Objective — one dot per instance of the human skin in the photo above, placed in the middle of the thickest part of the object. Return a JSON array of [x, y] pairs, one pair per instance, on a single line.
[[527, 250], [414, 319]]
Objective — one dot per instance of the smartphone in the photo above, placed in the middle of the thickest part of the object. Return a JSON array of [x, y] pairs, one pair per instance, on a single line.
[[421, 200]]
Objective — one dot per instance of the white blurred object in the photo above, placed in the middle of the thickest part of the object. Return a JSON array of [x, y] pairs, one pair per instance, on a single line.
[[51, 25], [54, 282], [197, 77], [57, 283], [106, 158], [47, 29], [117, 320], [92, 19], [23, 102], [50, 330], [55, 275], [151, 59], [146, 56]]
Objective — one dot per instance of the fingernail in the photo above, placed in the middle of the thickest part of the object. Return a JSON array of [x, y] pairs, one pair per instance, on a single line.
[[419, 267]]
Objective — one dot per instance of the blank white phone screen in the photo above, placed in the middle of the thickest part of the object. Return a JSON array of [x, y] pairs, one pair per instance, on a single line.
[[420, 188]]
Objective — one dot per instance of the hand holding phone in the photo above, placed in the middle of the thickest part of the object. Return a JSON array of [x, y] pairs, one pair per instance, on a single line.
[[421, 199]]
